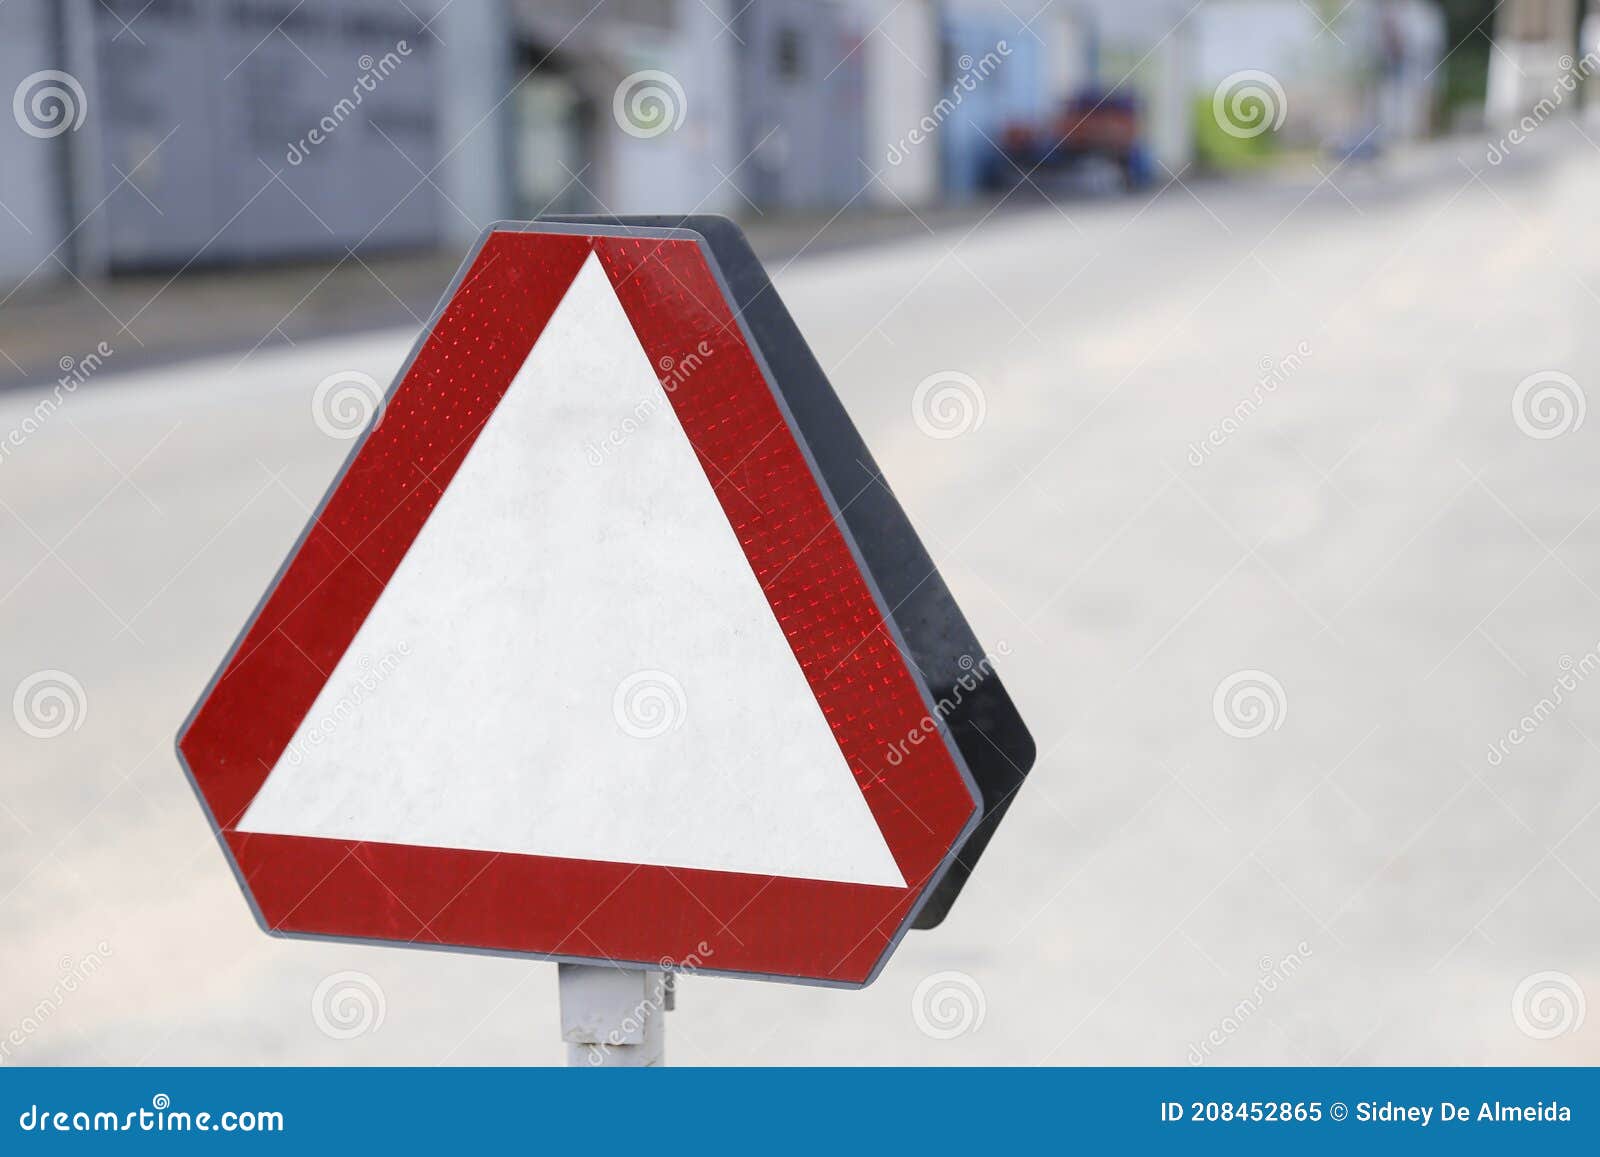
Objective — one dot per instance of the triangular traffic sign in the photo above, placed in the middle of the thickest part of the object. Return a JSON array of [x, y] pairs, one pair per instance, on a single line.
[[677, 769], [580, 658]]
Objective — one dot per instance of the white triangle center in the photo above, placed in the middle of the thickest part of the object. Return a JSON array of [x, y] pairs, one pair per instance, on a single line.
[[574, 658]]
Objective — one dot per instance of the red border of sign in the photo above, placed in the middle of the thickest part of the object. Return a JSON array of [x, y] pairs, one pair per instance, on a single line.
[[720, 921]]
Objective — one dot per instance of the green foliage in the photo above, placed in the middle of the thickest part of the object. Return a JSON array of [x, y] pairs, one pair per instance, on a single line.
[[1469, 24], [1217, 148]]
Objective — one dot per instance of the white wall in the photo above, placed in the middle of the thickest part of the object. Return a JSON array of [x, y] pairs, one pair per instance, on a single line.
[[1169, 116], [903, 68], [476, 66], [677, 172]]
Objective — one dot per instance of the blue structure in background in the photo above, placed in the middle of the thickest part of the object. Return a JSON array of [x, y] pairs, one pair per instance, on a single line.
[[1018, 89]]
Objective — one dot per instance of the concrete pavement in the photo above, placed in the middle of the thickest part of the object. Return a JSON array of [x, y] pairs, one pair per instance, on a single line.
[[1383, 561]]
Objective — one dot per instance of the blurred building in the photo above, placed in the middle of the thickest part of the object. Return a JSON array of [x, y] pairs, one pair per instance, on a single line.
[[32, 180], [619, 107], [161, 133], [905, 67], [1534, 42], [1366, 71], [1001, 68], [801, 92], [173, 131], [1589, 51]]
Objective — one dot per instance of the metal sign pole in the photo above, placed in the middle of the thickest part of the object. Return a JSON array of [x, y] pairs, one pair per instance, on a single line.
[[614, 1017]]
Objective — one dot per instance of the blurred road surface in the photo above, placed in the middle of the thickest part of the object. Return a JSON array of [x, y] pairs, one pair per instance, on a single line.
[[1378, 532]]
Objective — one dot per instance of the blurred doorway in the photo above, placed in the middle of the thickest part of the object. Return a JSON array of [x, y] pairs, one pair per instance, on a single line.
[[802, 88], [552, 140]]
